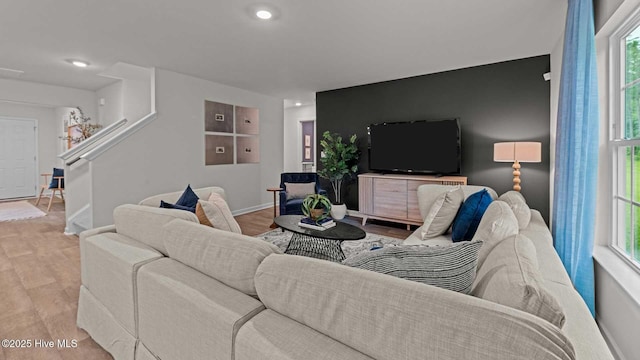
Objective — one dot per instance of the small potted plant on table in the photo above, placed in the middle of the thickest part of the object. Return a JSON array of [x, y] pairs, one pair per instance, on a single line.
[[339, 163], [316, 207]]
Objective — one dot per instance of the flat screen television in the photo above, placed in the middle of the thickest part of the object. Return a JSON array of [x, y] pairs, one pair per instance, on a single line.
[[427, 147]]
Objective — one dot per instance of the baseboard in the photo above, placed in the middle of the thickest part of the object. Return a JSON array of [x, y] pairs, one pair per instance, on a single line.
[[613, 346], [252, 209], [354, 213]]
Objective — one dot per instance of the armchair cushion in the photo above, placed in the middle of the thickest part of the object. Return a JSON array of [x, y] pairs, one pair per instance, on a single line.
[[292, 206], [57, 173], [299, 190]]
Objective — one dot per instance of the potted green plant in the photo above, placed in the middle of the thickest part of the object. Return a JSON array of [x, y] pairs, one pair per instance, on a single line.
[[339, 163], [316, 206]]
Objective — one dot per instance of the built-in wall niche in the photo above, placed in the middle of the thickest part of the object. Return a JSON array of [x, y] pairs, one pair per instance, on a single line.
[[231, 134]]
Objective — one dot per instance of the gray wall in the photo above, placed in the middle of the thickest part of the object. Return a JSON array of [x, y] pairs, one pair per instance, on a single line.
[[506, 101]]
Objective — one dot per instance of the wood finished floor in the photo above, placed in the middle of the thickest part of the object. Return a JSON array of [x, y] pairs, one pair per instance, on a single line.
[[40, 281]]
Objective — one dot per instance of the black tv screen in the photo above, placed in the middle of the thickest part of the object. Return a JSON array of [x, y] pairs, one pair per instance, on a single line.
[[429, 147]]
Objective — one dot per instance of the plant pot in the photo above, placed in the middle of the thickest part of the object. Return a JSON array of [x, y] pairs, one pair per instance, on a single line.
[[316, 213], [339, 211]]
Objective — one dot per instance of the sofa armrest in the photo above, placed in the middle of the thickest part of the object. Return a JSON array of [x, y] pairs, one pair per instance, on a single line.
[[104, 229]]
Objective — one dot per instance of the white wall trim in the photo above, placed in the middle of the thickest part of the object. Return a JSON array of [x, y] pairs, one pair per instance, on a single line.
[[252, 209], [624, 274], [100, 149], [613, 346]]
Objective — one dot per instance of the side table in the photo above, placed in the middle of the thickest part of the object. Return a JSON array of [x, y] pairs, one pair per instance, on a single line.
[[275, 192]]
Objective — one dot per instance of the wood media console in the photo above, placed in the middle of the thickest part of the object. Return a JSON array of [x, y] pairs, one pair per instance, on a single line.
[[395, 197]]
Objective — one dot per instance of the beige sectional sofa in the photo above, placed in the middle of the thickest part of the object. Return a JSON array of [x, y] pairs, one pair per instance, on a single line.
[[157, 285]]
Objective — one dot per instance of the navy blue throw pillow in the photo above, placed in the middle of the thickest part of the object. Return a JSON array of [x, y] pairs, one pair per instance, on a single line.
[[188, 198], [466, 222], [167, 205], [54, 182]]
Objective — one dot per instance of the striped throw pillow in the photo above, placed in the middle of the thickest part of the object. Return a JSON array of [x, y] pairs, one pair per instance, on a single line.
[[452, 267]]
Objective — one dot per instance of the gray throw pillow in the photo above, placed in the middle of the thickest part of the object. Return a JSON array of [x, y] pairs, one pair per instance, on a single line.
[[299, 190], [452, 267], [519, 206], [442, 213]]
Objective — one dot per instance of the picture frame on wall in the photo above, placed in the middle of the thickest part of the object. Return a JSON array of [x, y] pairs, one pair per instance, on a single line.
[[247, 120], [218, 149], [248, 149], [218, 117]]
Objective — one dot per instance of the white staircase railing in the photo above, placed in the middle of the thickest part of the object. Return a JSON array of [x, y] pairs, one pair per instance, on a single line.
[[116, 139], [80, 187], [84, 145]]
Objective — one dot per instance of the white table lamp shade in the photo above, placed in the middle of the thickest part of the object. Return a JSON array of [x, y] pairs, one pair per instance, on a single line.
[[517, 151]]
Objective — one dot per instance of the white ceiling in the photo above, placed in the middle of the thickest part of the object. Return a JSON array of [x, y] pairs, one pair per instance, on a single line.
[[312, 45]]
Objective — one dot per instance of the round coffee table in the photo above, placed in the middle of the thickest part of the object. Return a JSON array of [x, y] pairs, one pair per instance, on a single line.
[[318, 244]]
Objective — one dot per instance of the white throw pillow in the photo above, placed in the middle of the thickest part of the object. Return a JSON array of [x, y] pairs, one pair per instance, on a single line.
[[519, 207], [217, 213], [497, 224], [442, 213], [299, 190]]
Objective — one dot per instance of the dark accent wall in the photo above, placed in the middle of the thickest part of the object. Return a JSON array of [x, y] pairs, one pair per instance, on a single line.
[[507, 101]]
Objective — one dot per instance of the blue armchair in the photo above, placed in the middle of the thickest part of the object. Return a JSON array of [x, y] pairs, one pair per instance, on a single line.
[[290, 202]]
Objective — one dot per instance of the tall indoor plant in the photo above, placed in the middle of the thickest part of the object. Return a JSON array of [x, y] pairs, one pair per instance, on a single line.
[[339, 163]]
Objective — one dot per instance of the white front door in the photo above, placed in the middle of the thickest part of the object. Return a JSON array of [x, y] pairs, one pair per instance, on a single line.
[[17, 158]]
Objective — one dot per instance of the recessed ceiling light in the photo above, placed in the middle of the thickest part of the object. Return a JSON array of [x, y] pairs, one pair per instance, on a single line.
[[264, 14], [298, 104], [78, 63]]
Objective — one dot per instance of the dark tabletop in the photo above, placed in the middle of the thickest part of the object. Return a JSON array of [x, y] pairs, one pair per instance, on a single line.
[[342, 231]]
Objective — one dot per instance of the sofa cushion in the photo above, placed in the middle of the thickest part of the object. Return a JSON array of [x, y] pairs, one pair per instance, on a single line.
[[549, 262], [299, 190], [270, 335], [389, 318], [519, 206], [510, 276], [228, 257], [580, 326], [452, 268], [468, 218], [497, 224], [188, 198], [442, 213], [185, 314], [144, 223]]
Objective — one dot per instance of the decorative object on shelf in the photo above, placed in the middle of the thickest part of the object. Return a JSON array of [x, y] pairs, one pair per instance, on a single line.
[[517, 152], [339, 163], [316, 207], [79, 128]]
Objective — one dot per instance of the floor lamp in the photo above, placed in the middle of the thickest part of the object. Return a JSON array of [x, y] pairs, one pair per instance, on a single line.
[[517, 152]]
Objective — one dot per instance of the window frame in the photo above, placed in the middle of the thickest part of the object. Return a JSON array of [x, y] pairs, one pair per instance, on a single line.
[[616, 140]]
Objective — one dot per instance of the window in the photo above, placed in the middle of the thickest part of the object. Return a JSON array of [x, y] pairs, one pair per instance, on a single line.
[[625, 141]]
